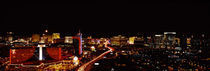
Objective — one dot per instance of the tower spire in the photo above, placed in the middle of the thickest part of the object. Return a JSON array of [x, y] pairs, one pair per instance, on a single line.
[[79, 33]]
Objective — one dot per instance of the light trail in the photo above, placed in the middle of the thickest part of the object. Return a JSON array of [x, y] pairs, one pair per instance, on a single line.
[[83, 67]]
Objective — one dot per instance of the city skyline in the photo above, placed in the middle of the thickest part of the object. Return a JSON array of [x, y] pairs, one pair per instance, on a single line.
[[89, 37]]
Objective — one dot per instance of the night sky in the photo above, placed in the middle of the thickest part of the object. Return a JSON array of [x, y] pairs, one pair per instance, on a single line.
[[96, 18]]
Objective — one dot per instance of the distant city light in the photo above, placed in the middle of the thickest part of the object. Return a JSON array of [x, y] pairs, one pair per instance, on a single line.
[[56, 36], [13, 51], [46, 31], [96, 64], [85, 53], [131, 40], [169, 32], [68, 39], [158, 35], [92, 48]]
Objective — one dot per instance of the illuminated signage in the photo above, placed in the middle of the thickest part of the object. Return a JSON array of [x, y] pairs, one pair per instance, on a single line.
[[169, 32]]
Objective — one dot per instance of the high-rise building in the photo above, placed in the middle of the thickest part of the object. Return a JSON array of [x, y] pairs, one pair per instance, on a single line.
[[56, 36], [158, 41], [68, 39], [131, 40], [9, 37], [139, 42], [169, 39], [119, 40], [49, 38], [77, 42], [35, 38]]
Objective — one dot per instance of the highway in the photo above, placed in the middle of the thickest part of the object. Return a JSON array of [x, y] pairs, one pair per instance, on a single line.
[[85, 67]]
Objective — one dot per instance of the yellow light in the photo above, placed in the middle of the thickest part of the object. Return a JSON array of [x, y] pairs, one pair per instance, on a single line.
[[13, 51], [131, 40], [56, 36]]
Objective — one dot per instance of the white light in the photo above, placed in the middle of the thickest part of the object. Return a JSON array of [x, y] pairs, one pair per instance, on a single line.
[[158, 35], [40, 53], [85, 53], [76, 63], [92, 47], [112, 69], [169, 32], [46, 31], [75, 58], [96, 63], [41, 46]]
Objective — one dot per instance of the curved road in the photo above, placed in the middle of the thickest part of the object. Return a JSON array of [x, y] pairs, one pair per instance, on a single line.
[[84, 67]]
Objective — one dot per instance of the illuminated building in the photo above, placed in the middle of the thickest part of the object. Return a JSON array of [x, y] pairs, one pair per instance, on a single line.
[[131, 40], [169, 39], [158, 41], [10, 33], [90, 37], [188, 41], [56, 36], [34, 55], [49, 38], [35, 38], [9, 36], [19, 55], [42, 40], [68, 39], [77, 41], [101, 40], [150, 41], [58, 40], [118, 40]]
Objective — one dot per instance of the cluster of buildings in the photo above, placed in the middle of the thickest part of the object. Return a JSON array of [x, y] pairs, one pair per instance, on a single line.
[[49, 38], [185, 43], [154, 40]]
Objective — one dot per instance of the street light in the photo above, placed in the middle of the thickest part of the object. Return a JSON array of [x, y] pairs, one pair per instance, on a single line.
[[75, 58], [75, 61]]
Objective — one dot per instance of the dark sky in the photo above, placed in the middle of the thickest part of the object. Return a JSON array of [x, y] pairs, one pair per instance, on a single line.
[[92, 18]]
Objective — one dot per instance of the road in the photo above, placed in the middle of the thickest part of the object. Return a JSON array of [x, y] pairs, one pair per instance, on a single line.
[[85, 67]]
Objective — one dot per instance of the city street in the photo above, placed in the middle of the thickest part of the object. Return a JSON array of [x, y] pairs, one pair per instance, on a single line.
[[86, 66]]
